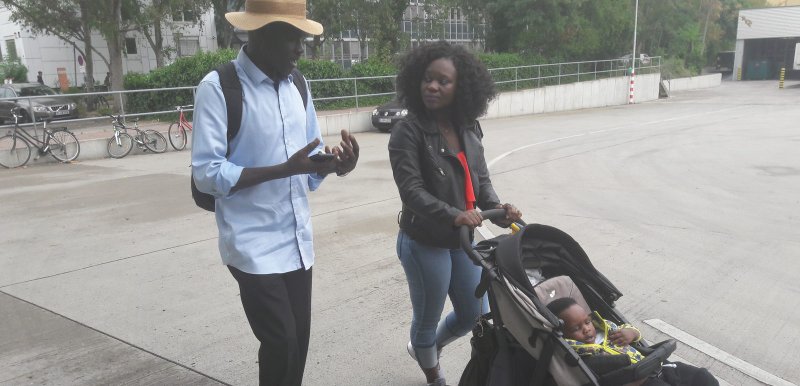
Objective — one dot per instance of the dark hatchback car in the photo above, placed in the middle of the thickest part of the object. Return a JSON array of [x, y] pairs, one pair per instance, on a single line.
[[387, 114], [44, 103]]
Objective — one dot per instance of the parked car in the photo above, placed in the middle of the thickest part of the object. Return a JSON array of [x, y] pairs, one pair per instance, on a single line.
[[45, 103], [387, 114]]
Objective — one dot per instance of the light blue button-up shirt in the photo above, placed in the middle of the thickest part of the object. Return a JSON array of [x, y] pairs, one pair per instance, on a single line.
[[265, 228]]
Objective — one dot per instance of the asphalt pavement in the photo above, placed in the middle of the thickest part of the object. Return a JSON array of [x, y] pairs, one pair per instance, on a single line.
[[110, 275]]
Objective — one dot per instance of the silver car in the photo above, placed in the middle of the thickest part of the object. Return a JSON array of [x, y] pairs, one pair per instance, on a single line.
[[35, 100]]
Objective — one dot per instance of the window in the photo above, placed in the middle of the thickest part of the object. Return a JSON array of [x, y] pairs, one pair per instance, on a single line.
[[188, 46], [187, 15], [130, 46], [11, 49]]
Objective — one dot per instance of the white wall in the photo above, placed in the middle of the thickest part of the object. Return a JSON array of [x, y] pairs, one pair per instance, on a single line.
[[573, 96], [694, 82], [766, 23]]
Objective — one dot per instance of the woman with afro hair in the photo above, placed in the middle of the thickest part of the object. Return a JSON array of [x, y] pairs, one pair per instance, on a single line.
[[439, 168]]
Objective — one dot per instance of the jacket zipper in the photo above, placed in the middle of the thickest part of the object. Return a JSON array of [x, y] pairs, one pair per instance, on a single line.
[[435, 163]]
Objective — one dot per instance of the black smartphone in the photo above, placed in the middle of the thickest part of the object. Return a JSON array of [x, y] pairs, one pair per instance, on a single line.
[[322, 157]]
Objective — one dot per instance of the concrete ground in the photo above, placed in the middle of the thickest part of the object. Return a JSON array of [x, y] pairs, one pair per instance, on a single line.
[[110, 275]]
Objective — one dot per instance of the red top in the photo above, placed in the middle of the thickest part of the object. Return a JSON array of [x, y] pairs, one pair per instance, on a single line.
[[469, 193]]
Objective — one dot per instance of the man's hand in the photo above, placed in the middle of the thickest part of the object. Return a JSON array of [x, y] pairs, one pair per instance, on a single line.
[[623, 336], [471, 218], [299, 163], [512, 215], [347, 155]]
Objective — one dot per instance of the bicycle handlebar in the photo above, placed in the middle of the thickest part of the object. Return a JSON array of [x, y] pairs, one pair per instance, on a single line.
[[185, 107]]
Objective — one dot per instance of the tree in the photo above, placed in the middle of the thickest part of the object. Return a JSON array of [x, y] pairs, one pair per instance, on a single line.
[[75, 23], [151, 16], [109, 22], [225, 33], [334, 15], [384, 24]]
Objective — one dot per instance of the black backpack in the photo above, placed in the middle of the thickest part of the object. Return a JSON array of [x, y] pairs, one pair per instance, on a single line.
[[234, 97]]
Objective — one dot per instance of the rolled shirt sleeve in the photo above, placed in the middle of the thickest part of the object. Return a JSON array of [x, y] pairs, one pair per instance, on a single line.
[[212, 172]]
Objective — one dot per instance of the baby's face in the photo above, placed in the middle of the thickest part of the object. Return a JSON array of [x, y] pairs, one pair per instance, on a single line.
[[578, 324]]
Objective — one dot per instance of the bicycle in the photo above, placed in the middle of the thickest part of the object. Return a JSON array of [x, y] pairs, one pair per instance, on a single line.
[[122, 143], [15, 148], [94, 102], [177, 130]]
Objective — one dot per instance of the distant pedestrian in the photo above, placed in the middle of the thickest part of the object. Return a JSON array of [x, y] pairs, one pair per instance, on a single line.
[[107, 81], [39, 78]]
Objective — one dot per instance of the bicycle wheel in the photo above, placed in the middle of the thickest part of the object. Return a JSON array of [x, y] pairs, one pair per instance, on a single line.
[[64, 146], [177, 136], [155, 141], [14, 151], [121, 149]]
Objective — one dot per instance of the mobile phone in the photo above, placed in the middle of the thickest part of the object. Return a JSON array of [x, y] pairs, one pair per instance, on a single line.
[[322, 157]]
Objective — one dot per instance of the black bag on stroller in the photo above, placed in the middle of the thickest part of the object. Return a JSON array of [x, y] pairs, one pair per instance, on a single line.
[[519, 342]]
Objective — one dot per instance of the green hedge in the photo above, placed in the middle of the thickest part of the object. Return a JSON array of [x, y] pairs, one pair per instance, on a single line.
[[188, 71], [14, 69]]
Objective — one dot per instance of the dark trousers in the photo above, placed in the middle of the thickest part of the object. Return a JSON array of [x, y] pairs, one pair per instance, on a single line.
[[278, 308], [683, 375]]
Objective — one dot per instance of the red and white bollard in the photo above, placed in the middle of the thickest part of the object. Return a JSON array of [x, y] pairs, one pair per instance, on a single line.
[[633, 82]]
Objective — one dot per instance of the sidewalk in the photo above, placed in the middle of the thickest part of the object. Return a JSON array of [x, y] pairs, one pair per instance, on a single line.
[[94, 135]]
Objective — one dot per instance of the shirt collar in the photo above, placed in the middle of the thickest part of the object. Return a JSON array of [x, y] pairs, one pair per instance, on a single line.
[[252, 71]]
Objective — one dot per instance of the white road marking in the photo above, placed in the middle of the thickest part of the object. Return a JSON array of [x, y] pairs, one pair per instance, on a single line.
[[641, 124], [676, 358], [718, 354]]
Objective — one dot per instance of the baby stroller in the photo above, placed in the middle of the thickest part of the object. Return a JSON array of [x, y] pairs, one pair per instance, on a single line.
[[519, 342]]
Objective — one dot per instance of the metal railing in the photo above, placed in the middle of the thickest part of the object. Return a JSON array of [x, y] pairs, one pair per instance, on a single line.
[[539, 75], [329, 94], [370, 91]]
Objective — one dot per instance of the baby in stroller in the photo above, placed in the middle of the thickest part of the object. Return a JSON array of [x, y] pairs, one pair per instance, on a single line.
[[591, 335]]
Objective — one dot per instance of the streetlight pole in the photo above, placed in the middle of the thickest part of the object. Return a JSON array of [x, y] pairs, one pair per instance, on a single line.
[[633, 53]]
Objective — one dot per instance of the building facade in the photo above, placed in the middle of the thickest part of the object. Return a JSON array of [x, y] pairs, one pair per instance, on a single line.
[[768, 40], [420, 24], [184, 34]]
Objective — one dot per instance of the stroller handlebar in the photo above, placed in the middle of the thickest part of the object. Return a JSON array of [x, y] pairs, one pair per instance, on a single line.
[[466, 244]]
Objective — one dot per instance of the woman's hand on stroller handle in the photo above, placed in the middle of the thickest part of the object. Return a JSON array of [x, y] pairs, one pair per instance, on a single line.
[[471, 218], [512, 215]]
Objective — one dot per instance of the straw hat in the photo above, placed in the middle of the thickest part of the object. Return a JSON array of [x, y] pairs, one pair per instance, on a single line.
[[258, 13]]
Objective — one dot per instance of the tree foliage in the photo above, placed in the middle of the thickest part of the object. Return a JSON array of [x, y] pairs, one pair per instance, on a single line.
[[225, 35], [690, 30], [151, 17]]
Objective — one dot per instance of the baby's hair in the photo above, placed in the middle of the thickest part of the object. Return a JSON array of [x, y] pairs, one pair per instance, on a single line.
[[559, 305]]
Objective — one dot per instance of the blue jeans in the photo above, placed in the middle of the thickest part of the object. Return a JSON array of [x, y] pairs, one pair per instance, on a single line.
[[432, 274]]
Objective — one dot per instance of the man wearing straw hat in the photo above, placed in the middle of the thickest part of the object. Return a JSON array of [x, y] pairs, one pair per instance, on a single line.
[[261, 177]]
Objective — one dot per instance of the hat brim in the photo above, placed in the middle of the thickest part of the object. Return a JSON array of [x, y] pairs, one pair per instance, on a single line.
[[252, 21]]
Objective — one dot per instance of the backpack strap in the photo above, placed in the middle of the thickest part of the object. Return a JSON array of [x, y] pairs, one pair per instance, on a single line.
[[300, 82], [234, 95], [234, 99]]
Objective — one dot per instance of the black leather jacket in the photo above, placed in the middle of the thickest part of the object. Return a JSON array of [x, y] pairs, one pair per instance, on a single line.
[[431, 180]]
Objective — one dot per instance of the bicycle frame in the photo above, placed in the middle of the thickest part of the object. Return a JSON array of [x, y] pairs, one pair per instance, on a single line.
[[120, 127], [183, 122], [41, 144]]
